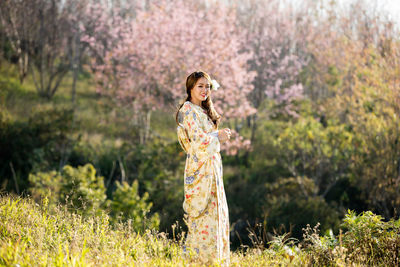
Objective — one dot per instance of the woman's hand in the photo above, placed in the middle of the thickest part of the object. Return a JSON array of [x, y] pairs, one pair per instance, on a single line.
[[224, 135]]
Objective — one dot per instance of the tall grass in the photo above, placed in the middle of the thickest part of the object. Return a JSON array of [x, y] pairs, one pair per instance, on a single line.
[[37, 235], [33, 234]]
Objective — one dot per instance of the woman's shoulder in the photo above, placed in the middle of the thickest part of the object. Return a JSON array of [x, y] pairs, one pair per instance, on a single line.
[[184, 110], [186, 107], [187, 104], [189, 107]]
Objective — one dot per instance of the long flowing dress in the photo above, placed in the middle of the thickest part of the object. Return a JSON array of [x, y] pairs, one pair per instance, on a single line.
[[205, 206]]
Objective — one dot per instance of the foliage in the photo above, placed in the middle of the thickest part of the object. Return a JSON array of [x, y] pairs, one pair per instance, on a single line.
[[365, 101], [84, 192], [126, 204], [46, 185], [33, 143], [159, 171], [370, 236], [321, 152], [368, 240], [156, 167], [286, 211], [79, 188], [82, 189], [293, 168]]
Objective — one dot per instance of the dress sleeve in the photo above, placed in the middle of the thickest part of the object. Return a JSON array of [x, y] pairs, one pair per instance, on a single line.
[[199, 169], [200, 140], [183, 138]]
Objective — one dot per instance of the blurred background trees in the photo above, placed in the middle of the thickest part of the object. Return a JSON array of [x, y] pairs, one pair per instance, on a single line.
[[88, 92]]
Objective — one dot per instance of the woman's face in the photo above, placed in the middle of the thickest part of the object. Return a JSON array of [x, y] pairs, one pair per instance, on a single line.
[[201, 90]]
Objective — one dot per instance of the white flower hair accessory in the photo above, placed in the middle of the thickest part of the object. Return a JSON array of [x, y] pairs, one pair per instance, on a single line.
[[215, 85]]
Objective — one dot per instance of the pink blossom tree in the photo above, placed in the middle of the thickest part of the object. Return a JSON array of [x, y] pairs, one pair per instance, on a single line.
[[277, 54], [166, 42]]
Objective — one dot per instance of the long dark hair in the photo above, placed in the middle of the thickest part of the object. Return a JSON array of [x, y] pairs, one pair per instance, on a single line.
[[207, 104]]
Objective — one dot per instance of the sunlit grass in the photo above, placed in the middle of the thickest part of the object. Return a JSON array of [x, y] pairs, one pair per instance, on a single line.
[[33, 234], [37, 235]]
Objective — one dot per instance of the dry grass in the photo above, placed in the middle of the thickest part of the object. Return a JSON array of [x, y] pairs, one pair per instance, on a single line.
[[35, 235]]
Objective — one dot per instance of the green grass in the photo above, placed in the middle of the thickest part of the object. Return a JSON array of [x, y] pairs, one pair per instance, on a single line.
[[36, 235], [33, 234]]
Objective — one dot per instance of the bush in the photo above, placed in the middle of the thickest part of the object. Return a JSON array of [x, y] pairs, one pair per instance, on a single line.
[[158, 168], [295, 214], [79, 188], [84, 192], [38, 143], [128, 205], [367, 240], [82, 189], [370, 240], [46, 185]]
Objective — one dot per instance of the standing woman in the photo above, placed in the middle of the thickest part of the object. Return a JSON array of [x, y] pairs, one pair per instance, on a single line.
[[205, 206]]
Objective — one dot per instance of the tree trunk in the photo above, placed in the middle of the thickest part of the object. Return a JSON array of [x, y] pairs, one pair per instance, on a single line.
[[76, 51]]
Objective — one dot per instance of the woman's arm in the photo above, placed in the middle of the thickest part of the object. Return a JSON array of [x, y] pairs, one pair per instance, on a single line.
[[199, 139]]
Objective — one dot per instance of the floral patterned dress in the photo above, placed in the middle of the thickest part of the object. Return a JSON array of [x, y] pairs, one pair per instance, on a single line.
[[205, 206]]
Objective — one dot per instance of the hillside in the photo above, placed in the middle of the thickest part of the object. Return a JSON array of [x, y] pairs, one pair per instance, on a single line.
[[35, 235]]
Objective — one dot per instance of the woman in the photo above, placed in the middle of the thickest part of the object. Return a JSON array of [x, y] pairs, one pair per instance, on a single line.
[[205, 206]]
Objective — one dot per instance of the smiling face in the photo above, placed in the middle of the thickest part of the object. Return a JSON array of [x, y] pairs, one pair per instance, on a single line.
[[201, 90]]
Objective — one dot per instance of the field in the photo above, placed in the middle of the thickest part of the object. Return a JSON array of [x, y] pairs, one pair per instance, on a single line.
[[35, 235]]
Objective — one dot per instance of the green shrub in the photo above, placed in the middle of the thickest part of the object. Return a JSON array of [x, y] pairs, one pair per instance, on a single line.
[[36, 144], [159, 169], [296, 213], [370, 240], [79, 188], [46, 185], [128, 205], [82, 189], [367, 240], [84, 192]]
